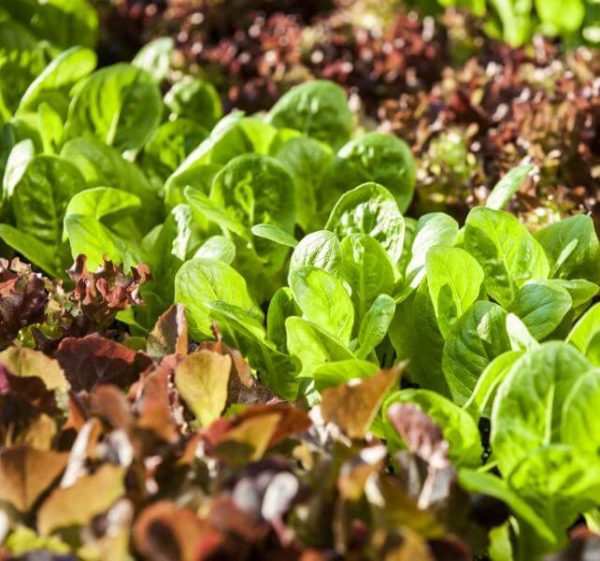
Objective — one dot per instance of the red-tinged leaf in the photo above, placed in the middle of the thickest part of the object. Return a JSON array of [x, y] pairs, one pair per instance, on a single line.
[[247, 441], [23, 298], [167, 532], [170, 334], [95, 360], [79, 503], [109, 404], [24, 362], [103, 293], [154, 404], [202, 379], [243, 387], [353, 406], [421, 434], [24, 397], [291, 420], [26, 473]]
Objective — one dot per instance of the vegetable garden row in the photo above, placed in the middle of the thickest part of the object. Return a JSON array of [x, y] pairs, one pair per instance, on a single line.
[[357, 320]]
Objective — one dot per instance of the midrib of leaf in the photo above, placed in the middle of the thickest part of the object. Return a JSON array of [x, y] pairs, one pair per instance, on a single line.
[[114, 126], [503, 259], [549, 411]]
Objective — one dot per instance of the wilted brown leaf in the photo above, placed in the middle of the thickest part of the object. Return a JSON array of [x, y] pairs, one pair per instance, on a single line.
[[26, 473], [353, 406], [77, 504], [202, 379]]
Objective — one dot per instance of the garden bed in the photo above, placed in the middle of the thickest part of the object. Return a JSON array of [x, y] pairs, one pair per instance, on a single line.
[[306, 281]]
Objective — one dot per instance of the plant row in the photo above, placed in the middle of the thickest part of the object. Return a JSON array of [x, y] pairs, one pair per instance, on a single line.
[[470, 107]]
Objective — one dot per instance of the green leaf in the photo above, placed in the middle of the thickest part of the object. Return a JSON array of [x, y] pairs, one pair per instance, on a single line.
[[88, 236], [381, 158], [508, 186], [457, 426], [518, 334], [541, 305], [529, 403], [68, 68], [242, 330], [572, 247], [561, 17], [487, 384], [226, 141], [201, 281], [281, 307], [320, 249], [375, 324], [169, 145], [307, 160], [508, 254], [415, 335], [255, 189], [62, 22], [195, 99], [119, 105], [488, 484], [50, 127], [370, 209], [21, 154], [155, 58], [585, 329], [32, 249], [559, 482], [579, 426], [318, 109], [169, 250], [368, 270], [454, 279], [312, 345], [580, 290], [213, 212], [475, 340], [432, 229], [275, 234], [323, 301], [103, 202], [41, 196], [217, 247], [103, 166], [333, 374]]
